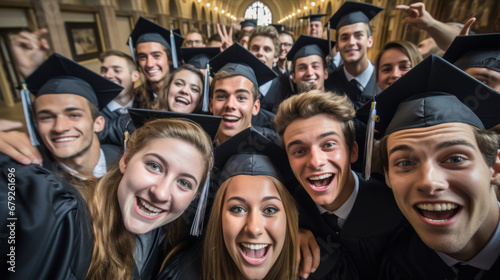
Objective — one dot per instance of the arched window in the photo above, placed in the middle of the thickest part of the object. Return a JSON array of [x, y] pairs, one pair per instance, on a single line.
[[261, 12]]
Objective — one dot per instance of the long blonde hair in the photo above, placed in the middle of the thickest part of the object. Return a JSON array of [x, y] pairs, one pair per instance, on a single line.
[[218, 264], [113, 254]]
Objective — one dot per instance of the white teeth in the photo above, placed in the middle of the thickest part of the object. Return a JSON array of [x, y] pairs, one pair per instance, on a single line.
[[437, 206], [64, 139], [149, 207], [231, 118], [153, 71], [182, 100], [254, 246], [321, 177]]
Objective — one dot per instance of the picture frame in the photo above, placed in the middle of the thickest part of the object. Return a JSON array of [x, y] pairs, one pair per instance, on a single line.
[[84, 40]]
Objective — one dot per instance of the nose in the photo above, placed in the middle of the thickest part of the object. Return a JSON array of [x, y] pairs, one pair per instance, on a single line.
[[309, 71], [61, 124], [255, 225], [230, 103], [352, 40], [431, 179], [150, 62], [162, 190], [396, 73], [316, 158], [260, 53]]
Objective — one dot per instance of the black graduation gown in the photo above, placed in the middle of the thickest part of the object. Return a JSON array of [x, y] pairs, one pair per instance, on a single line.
[[337, 81], [410, 259], [280, 90], [186, 264], [53, 230], [372, 224]]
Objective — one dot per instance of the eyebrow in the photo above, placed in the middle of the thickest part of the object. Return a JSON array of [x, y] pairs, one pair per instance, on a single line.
[[452, 143], [241, 90], [69, 109], [440, 146], [404, 148], [239, 198], [321, 136], [165, 163]]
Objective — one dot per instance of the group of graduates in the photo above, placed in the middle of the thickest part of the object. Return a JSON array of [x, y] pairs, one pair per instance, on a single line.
[[273, 159]]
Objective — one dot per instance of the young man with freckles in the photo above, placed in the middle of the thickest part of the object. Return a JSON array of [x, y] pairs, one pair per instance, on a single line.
[[439, 161], [353, 220]]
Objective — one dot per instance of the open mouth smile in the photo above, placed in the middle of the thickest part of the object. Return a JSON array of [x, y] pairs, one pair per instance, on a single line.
[[437, 212], [148, 210], [320, 182], [254, 254]]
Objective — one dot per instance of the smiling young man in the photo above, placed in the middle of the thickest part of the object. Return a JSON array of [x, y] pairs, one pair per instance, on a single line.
[[66, 113], [154, 55], [439, 162], [264, 43], [335, 203], [357, 77], [309, 70], [234, 93]]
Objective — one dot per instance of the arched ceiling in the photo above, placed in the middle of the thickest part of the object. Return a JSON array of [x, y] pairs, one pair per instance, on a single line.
[[279, 8]]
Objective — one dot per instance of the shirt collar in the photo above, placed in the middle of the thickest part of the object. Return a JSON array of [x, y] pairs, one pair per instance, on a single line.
[[99, 169], [362, 78], [485, 259], [343, 211], [263, 89], [113, 106]]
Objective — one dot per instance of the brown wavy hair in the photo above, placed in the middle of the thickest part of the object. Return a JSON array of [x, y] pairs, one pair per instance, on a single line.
[[113, 254], [218, 264], [161, 103]]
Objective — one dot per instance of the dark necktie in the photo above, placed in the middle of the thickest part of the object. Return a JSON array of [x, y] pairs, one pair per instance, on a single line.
[[332, 220], [355, 91], [466, 272]]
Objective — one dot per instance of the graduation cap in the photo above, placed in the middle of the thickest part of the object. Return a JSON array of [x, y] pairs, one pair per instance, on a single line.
[[251, 153], [209, 123], [279, 27], [482, 50], [353, 12], [249, 22], [59, 74], [237, 59], [199, 56], [309, 45], [148, 31], [432, 93], [315, 17]]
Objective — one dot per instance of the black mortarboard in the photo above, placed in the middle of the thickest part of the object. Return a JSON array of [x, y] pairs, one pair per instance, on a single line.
[[353, 12], [481, 50], [237, 59], [432, 93], [251, 153], [209, 123], [315, 17], [199, 56], [249, 22], [279, 27], [61, 75], [148, 31], [177, 30], [309, 45]]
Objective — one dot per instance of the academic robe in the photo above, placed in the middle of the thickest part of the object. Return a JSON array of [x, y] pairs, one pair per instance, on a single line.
[[370, 227], [337, 81], [410, 259], [280, 90], [53, 230], [53, 227]]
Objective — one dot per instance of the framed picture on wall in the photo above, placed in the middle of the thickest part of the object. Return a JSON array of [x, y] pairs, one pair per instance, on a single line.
[[84, 40]]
